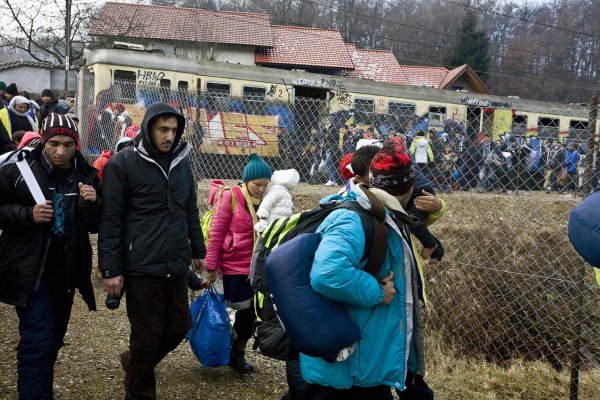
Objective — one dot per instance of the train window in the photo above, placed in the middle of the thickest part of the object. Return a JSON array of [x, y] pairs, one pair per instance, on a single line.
[[253, 100], [165, 90], [437, 116], [519, 125], [578, 130], [182, 85], [218, 89], [217, 97], [165, 83], [364, 109], [547, 128], [125, 86], [253, 93], [405, 110]]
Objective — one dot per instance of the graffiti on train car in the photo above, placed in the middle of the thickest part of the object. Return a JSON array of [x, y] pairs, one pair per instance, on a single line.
[[471, 101], [151, 78], [239, 134]]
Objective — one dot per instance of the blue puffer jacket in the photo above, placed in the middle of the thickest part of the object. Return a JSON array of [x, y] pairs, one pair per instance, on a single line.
[[381, 355]]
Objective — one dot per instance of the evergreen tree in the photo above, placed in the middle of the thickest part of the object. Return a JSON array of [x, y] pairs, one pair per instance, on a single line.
[[471, 46]]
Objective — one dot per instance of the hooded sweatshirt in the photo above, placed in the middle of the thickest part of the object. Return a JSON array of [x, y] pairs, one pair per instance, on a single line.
[[151, 223], [143, 142], [14, 121]]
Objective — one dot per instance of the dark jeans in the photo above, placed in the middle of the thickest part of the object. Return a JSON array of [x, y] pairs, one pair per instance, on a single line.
[[299, 389], [42, 327], [159, 315]]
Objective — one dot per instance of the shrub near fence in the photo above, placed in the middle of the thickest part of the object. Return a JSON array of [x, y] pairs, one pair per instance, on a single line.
[[509, 286]]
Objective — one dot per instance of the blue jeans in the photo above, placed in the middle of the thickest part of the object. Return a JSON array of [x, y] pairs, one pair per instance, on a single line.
[[42, 327], [330, 168]]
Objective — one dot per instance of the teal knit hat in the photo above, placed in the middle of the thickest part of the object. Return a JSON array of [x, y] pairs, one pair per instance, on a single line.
[[256, 168], [2, 85]]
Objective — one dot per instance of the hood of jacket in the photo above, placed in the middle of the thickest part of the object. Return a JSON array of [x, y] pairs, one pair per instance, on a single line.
[[286, 177], [144, 138]]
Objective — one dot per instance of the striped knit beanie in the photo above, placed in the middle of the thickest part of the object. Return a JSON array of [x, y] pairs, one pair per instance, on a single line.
[[256, 168], [392, 171], [56, 124]]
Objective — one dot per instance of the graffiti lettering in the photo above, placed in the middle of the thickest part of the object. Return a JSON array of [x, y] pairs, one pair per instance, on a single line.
[[343, 98], [323, 83], [485, 103], [272, 90]]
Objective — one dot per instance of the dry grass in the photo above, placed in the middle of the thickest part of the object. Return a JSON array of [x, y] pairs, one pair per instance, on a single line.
[[476, 349]]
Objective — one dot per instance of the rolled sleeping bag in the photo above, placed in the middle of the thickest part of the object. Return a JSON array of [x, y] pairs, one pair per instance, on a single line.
[[584, 229], [316, 325]]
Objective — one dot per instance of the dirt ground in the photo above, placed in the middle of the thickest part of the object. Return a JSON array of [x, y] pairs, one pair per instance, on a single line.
[[88, 366]]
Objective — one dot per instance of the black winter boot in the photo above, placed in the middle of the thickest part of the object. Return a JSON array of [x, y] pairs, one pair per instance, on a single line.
[[237, 358]]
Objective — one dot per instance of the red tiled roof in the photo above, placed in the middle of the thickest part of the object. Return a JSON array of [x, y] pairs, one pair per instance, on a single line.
[[182, 24], [377, 65], [453, 75], [424, 76], [470, 76], [310, 47]]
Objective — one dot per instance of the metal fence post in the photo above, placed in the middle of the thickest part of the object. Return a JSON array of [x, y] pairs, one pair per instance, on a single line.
[[576, 362], [591, 130]]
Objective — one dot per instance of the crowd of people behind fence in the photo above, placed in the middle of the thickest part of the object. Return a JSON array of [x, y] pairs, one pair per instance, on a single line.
[[141, 199], [454, 161]]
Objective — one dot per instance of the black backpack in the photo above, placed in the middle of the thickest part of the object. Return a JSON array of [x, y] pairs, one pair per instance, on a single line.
[[270, 338]]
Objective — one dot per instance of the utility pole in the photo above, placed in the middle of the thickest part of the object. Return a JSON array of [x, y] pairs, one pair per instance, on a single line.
[[67, 43]]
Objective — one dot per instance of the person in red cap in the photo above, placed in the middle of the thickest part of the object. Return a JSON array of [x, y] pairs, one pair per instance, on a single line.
[[46, 247]]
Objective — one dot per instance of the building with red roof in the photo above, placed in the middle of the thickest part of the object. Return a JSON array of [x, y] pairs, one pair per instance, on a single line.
[[250, 39]]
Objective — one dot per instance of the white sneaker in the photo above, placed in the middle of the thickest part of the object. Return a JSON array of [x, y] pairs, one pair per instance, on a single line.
[[331, 183]]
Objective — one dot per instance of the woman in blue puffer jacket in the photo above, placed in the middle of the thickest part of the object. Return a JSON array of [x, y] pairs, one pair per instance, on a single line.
[[380, 358]]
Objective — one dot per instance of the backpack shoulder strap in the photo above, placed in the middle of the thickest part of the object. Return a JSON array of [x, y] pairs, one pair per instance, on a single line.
[[32, 183], [375, 231]]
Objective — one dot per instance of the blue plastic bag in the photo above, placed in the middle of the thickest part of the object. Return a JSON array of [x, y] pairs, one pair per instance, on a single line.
[[210, 336]]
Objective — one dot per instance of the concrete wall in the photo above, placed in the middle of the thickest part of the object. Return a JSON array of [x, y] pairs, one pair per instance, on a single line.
[[35, 79]]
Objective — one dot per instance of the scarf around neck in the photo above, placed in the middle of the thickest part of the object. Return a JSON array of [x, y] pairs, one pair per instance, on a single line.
[[250, 203]]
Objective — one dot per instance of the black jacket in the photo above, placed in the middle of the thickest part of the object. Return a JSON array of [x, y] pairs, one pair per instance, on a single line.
[[52, 107], [24, 244], [6, 145], [151, 223]]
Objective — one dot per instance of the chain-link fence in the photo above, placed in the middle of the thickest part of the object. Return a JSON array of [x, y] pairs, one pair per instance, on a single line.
[[510, 286]]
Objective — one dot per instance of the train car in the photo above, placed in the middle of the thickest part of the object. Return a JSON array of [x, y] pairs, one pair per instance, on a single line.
[[236, 109]]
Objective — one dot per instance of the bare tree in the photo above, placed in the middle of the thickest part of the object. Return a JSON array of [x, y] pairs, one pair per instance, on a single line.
[[38, 28]]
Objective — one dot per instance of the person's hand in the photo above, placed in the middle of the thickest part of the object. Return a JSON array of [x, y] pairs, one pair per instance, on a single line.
[[199, 264], [260, 226], [42, 213], [427, 202], [87, 192], [388, 288], [210, 277], [113, 285], [426, 252]]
